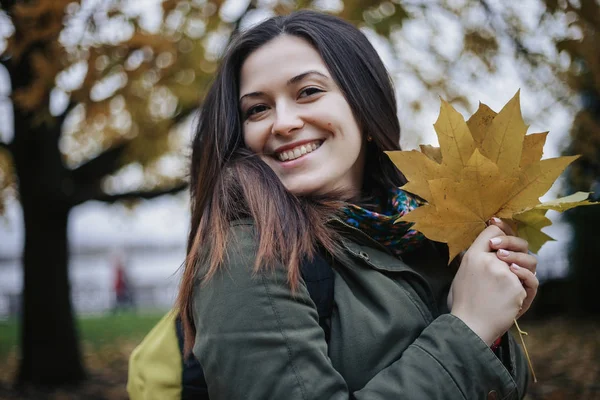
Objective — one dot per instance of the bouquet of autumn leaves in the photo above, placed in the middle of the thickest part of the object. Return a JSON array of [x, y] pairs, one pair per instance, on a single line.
[[487, 166]]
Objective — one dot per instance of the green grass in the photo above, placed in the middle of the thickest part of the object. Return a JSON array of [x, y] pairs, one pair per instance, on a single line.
[[97, 331]]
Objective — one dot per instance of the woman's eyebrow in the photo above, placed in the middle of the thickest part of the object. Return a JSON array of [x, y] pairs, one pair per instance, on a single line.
[[306, 74], [291, 81]]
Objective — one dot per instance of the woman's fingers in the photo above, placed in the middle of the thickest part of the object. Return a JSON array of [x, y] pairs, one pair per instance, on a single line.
[[512, 243], [512, 249], [525, 260], [506, 228], [483, 242], [530, 284]]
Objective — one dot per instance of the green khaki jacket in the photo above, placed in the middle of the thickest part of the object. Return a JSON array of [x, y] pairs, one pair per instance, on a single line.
[[391, 335]]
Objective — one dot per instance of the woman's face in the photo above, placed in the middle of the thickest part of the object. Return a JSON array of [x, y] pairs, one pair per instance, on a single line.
[[297, 119]]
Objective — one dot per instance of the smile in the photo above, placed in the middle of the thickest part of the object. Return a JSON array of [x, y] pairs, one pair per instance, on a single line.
[[298, 151]]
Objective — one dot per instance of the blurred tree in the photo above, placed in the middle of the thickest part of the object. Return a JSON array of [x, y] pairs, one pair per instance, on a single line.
[[584, 78], [121, 91], [100, 90], [97, 90]]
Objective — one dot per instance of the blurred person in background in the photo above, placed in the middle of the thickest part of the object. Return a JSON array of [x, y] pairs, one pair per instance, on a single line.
[[123, 291]]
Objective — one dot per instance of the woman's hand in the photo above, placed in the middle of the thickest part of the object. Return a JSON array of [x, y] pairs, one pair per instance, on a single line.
[[515, 252], [487, 294]]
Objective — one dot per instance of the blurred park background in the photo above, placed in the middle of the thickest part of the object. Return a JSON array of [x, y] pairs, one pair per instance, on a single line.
[[97, 105]]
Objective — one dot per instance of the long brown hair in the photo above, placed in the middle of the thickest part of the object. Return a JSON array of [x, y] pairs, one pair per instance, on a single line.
[[228, 182]]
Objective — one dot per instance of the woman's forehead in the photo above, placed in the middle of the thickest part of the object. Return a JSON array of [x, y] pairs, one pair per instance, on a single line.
[[278, 61]]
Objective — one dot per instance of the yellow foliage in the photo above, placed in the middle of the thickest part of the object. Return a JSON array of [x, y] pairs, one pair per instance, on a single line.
[[36, 21], [484, 167], [44, 71]]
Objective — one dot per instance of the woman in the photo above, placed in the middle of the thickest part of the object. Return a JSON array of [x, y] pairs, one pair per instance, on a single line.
[[288, 167]]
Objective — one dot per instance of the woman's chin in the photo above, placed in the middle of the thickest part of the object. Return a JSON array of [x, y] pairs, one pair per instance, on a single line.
[[305, 187]]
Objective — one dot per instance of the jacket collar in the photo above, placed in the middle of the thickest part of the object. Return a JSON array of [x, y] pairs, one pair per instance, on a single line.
[[350, 232], [347, 232]]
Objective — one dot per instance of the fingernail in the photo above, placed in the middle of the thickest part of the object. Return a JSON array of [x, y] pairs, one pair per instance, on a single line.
[[495, 241], [496, 220], [515, 266], [503, 252]]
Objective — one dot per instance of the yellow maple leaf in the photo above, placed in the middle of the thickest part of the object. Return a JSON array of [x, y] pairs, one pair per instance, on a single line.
[[529, 227], [503, 142], [456, 142], [449, 221], [534, 181], [533, 148], [567, 202], [485, 167], [531, 222], [417, 167], [432, 152], [479, 123]]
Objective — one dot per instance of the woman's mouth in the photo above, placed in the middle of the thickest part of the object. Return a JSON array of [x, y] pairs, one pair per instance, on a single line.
[[298, 151]]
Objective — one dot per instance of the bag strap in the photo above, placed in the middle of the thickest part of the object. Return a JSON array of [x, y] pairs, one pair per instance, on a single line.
[[193, 383], [319, 278]]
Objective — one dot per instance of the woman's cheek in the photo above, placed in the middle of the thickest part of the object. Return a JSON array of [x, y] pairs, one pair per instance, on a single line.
[[253, 140]]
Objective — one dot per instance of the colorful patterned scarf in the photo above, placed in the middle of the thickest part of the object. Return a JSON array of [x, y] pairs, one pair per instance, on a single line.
[[398, 238]]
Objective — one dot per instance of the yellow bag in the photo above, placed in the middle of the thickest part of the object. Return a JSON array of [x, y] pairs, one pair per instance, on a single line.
[[155, 366]]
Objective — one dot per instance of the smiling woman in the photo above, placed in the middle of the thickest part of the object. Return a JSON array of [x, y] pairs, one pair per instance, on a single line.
[[290, 191], [295, 105]]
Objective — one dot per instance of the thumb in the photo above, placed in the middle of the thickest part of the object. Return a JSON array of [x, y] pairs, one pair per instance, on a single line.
[[482, 242]]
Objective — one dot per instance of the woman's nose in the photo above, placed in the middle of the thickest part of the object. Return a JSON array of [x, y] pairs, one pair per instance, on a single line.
[[287, 120]]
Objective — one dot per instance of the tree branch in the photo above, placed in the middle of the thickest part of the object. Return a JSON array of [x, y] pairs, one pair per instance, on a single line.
[[142, 194], [97, 168], [517, 42]]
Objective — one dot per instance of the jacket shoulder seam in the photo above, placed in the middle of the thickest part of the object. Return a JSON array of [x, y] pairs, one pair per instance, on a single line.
[[289, 350], [443, 369]]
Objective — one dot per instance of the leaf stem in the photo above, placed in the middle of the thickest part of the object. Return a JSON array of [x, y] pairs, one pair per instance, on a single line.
[[521, 333]]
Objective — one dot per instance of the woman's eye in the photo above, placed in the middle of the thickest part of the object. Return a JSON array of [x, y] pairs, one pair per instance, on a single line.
[[309, 91], [255, 110]]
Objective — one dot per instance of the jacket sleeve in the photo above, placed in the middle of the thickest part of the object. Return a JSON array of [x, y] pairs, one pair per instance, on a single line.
[[256, 339]]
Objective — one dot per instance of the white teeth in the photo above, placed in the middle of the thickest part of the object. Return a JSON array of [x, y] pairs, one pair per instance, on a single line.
[[299, 151]]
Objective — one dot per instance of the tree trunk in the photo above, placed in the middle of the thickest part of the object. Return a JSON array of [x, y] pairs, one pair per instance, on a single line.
[[50, 353], [584, 255]]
